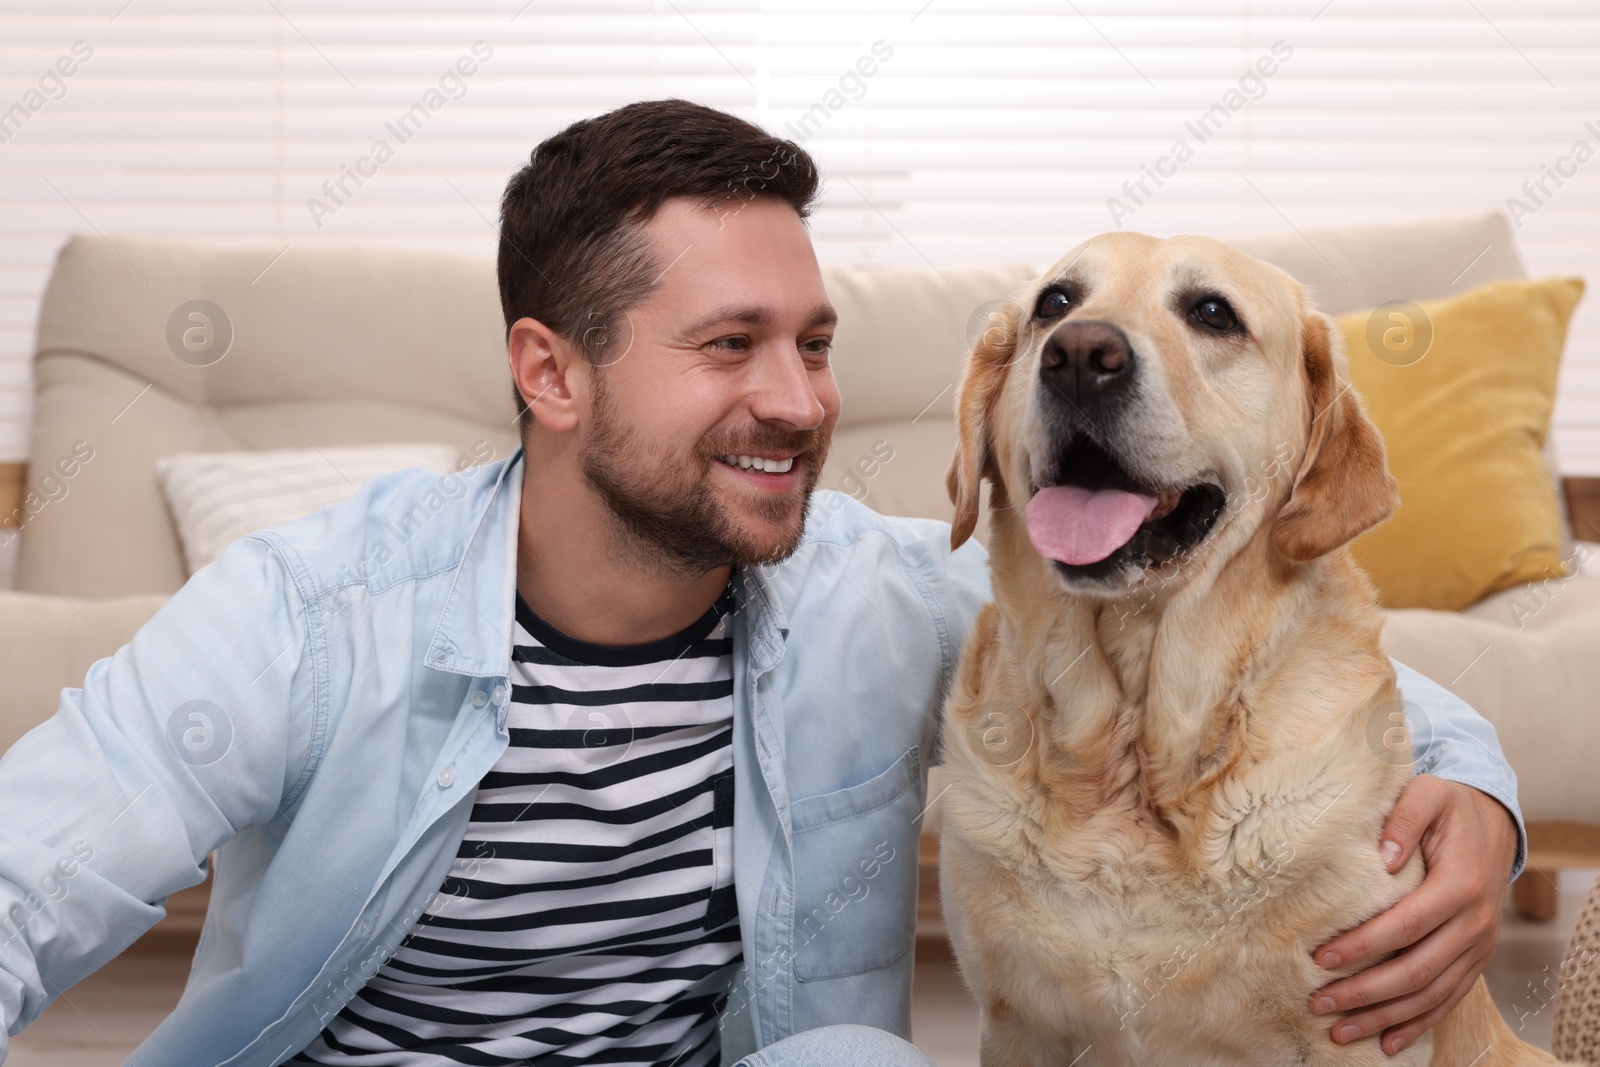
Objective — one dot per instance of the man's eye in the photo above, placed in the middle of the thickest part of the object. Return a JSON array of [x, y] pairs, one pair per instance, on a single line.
[[733, 344], [820, 346], [1052, 302]]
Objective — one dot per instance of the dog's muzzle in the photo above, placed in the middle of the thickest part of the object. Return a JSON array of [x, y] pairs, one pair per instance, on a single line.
[[1094, 518]]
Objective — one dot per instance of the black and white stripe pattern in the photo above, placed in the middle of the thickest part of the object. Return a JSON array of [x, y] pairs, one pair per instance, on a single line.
[[589, 916]]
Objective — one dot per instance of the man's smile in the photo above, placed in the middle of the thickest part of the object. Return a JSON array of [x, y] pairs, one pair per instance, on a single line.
[[773, 471]]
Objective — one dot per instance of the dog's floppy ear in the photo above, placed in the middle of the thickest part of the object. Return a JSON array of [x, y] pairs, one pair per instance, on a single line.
[[981, 378], [1343, 486]]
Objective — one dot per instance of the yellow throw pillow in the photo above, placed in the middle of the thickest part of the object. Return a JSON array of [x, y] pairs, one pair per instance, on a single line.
[[1461, 389]]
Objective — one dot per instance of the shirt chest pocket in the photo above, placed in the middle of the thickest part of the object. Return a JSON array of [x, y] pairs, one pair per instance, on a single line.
[[855, 855]]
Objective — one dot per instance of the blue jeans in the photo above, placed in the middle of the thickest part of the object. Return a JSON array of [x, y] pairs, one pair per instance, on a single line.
[[845, 1045]]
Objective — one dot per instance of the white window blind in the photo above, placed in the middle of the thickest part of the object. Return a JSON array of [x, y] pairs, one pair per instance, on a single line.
[[950, 132]]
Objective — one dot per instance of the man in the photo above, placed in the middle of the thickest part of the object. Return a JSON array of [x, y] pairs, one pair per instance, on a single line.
[[621, 755]]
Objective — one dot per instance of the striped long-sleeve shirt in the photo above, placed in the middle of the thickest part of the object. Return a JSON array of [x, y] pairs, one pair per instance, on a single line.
[[589, 914]]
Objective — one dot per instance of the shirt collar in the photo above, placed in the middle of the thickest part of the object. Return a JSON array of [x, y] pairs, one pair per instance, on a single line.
[[473, 635]]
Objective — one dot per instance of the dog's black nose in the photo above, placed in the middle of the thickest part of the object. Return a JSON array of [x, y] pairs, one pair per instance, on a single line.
[[1086, 360]]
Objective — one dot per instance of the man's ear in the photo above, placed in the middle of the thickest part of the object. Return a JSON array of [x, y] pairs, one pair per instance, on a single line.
[[541, 363], [1343, 486], [981, 378]]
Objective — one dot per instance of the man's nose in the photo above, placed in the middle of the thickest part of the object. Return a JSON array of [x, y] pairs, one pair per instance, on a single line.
[[785, 393], [1087, 361]]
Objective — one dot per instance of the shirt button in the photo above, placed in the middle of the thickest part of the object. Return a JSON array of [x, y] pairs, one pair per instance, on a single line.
[[479, 698], [499, 694], [447, 776]]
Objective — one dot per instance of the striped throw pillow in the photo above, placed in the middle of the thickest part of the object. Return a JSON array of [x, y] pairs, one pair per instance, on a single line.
[[218, 497]]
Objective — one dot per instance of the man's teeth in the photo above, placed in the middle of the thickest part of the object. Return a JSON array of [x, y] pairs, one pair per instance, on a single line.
[[771, 466]]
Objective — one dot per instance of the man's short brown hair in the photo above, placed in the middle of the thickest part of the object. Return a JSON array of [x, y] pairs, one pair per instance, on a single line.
[[572, 248]]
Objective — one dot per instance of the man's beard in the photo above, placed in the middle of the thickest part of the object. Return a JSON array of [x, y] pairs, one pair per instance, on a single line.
[[664, 509]]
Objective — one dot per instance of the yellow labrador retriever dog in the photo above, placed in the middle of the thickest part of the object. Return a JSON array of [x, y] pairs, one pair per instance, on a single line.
[[1171, 743]]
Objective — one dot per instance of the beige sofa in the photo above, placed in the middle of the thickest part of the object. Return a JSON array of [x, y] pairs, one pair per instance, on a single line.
[[348, 345]]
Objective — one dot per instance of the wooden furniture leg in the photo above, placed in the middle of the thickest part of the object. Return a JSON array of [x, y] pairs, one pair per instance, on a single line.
[[1552, 847]]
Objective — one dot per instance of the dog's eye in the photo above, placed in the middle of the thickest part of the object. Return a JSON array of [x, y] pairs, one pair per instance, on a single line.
[[1214, 313], [1052, 302]]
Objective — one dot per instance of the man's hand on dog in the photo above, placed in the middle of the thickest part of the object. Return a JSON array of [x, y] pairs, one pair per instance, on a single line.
[[1450, 922]]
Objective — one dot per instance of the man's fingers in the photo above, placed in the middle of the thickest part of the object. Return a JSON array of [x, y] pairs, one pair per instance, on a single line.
[[1404, 975], [1421, 802], [1412, 1013], [1398, 1037], [1415, 916]]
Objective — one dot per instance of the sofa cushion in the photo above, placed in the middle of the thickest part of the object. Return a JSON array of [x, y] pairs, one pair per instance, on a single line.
[[1353, 267], [218, 497], [902, 337], [1536, 685], [1464, 418], [1550, 602]]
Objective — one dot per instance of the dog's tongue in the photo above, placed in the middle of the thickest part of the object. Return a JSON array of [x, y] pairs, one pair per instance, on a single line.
[[1076, 525]]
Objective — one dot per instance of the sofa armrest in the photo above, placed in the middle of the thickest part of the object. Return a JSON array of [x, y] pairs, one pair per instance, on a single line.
[[48, 643]]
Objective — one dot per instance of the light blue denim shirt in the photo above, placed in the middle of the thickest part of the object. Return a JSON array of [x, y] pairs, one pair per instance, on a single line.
[[319, 705]]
